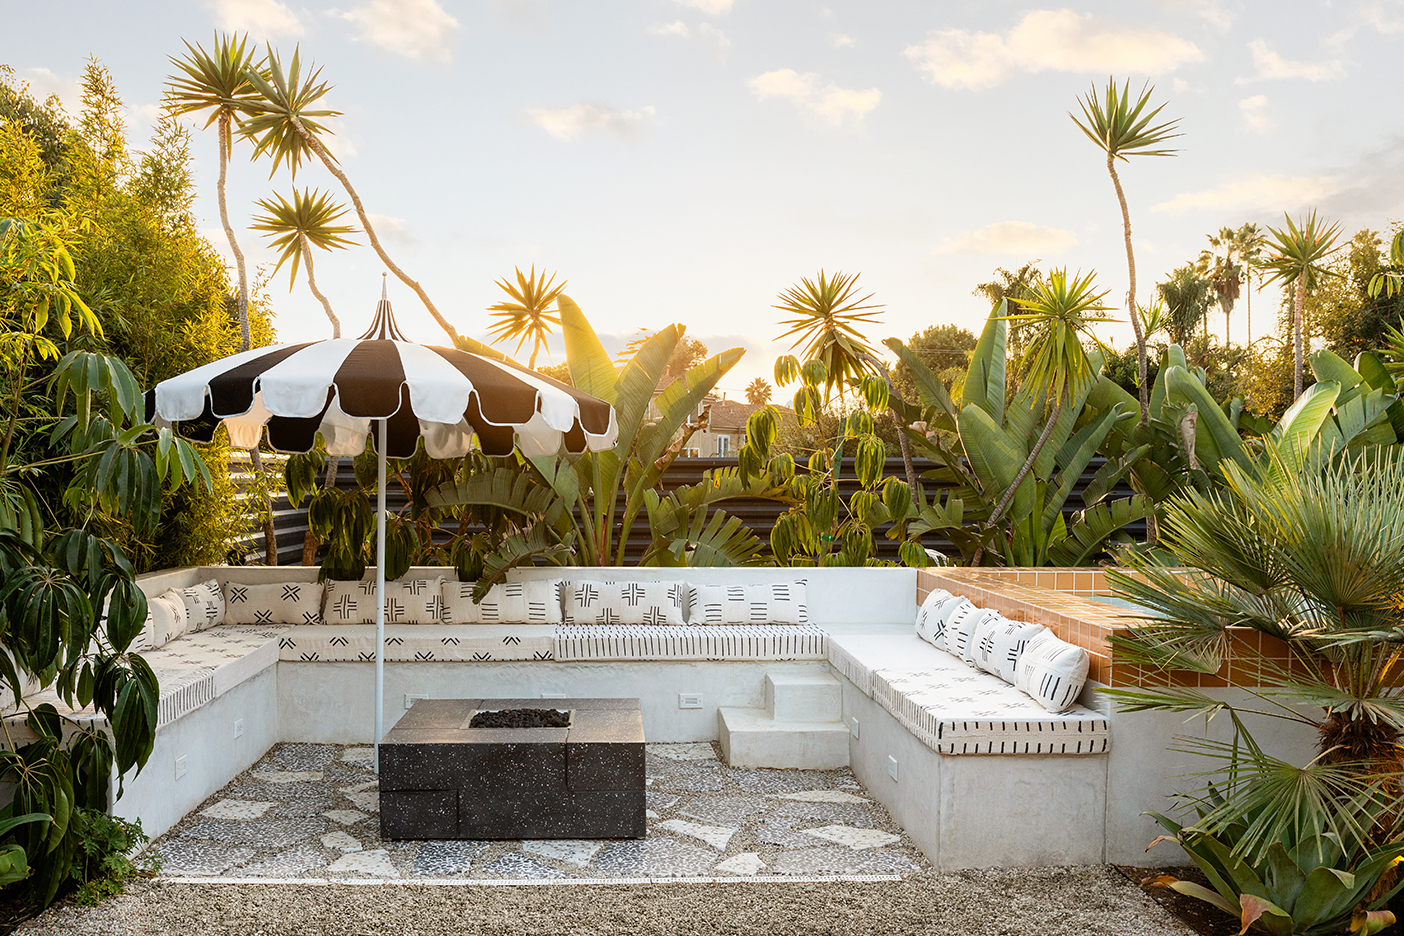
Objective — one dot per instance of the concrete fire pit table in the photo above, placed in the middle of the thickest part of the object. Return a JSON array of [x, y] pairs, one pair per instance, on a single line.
[[443, 778]]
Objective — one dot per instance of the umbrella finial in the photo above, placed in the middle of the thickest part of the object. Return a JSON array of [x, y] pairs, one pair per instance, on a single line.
[[383, 326], [384, 280]]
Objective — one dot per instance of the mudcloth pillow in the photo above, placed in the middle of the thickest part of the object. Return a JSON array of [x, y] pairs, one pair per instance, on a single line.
[[999, 645], [960, 631], [407, 601], [593, 602], [279, 603], [781, 603], [165, 618], [941, 626], [1052, 671], [508, 603], [204, 605], [927, 618]]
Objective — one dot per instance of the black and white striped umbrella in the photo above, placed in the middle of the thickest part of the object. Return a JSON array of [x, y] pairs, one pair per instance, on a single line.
[[381, 384], [342, 387]]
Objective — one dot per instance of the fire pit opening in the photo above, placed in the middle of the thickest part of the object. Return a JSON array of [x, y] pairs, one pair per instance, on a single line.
[[521, 718]]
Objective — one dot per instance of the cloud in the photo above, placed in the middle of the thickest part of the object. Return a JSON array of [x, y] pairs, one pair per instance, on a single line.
[[416, 29], [830, 102], [1011, 237], [841, 40], [704, 34], [1272, 67], [1255, 113], [1061, 40], [1256, 192], [394, 230], [43, 83], [569, 122], [708, 7], [263, 19], [1211, 11]]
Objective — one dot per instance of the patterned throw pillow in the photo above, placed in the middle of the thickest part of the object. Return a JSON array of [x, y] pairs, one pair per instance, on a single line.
[[1052, 671], [165, 618], [960, 630], [591, 602], [407, 601], [781, 603], [204, 605], [1000, 643], [508, 603], [281, 603], [931, 616]]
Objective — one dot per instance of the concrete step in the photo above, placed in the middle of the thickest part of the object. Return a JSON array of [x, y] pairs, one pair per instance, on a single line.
[[800, 697], [752, 738]]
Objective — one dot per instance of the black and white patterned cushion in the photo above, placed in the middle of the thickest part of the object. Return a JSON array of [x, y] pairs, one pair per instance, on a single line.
[[588, 601], [535, 602], [1000, 642], [165, 619], [204, 605], [779, 603], [1052, 671], [960, 630], [931, 616], [407, 601], [280, 603]]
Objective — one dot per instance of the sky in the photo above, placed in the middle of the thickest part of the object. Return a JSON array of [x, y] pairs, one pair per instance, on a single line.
[[686, 160]]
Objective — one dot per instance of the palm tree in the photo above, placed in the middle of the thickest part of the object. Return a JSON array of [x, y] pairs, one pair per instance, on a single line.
[[296, 227], [1248, 241], [827, 311], [528, 314], [1186, 298], [1012, 286], [285, 125], [1121, 129], [1059, 317], [1224, 273], [218, 81], [1308, 550], [758, 392], [1298, 252]]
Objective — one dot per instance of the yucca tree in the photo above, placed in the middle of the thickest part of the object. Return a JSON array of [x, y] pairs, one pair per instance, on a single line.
[[1059, 314], [1123, 128], [1298, 252], [218, 82], [527, 315], [295, 227], [1221, 267], [1308, 549], [285, 124], [827, 311], [1186, 297], [758, 392]]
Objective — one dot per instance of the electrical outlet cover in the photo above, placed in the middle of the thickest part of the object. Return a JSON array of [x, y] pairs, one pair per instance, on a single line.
[[180, 767], [238, 727], [892, 766], [688, 700]]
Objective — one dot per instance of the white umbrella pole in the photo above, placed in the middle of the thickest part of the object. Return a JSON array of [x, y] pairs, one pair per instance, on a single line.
[[380, 590]]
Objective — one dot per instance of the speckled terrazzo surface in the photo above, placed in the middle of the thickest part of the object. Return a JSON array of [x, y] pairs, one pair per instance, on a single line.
[[308, 812]]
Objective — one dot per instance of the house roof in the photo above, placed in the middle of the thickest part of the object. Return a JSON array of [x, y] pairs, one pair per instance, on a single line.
[[731, 415]]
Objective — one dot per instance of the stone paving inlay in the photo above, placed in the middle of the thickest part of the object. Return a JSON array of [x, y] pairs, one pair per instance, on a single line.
[[309, 811]]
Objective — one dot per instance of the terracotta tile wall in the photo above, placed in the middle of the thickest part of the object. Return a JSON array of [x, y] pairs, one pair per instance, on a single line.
[[1055, 599]]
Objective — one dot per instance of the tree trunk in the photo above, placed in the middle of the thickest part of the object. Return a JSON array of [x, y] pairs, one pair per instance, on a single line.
[[1248, 300], [1131, 294], [270, 533], [1019, 478], [366, 226], [245, 338], [312, 284], [1298, 307]]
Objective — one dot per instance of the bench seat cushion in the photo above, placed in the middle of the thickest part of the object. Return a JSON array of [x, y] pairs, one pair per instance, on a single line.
[[418, 643], [664, 642], [955, 709]]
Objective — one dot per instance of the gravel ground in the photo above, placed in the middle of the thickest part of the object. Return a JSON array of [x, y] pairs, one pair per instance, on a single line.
[[1046, 901]]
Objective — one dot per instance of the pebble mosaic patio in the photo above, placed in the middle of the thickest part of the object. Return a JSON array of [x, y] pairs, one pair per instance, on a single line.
[[308, 812]]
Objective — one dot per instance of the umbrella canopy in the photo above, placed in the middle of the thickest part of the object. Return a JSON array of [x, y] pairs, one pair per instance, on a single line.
[[342, 387], [387, 387]]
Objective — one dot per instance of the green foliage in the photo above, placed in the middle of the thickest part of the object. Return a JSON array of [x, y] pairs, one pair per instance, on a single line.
[[980, 446], [826, 313], [310, 217], [103, 866], [1122, 127], [945, 350], [526, 314], [1309, 881]]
